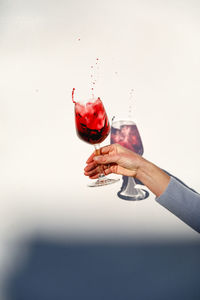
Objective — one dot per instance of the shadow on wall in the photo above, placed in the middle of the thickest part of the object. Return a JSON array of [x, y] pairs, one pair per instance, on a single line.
[[111, 271]]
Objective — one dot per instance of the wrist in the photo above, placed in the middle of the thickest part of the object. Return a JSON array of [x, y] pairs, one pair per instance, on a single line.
[[144, 167], [152, 176]]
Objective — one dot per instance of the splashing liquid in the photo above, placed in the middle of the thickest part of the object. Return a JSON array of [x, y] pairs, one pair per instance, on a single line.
[[92, 124]]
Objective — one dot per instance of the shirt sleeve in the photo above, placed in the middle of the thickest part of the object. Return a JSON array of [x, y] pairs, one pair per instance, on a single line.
[[182, 202]]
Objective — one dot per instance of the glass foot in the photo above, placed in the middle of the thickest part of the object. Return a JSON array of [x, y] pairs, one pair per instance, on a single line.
[[102, 182], [140, 195], [130, 192]]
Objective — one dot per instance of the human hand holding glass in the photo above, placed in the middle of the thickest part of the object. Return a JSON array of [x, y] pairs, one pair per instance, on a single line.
[[115, 159], [119, 160], [123, 158]]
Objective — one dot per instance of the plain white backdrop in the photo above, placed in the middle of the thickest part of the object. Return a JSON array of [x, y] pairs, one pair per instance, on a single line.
[[46, 49]]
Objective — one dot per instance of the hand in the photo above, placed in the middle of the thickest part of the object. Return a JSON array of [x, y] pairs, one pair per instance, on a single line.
[[113, 159]]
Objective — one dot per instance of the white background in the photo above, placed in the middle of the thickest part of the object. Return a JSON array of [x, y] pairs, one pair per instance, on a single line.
[[151, 46]]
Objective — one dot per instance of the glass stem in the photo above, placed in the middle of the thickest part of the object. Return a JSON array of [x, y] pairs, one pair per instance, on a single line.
[[130, 188], [97, 152]]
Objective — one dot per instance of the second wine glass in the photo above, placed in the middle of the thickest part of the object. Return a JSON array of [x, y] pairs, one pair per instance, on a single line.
[[125, 133]]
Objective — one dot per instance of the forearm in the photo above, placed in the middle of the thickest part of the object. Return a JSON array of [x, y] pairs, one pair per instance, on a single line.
[[153, 177], [171, 193]]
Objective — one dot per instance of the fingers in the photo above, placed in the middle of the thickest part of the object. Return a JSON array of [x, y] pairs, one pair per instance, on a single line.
[[109, 169], [103, 150], [93, 170], [114, 148], [90, 159], [90, 169], [91, 166], [106, 159], [97, 164], [107, 149]]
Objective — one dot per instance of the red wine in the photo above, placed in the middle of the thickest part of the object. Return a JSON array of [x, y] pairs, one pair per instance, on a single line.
[[92, 123], [127, 135]]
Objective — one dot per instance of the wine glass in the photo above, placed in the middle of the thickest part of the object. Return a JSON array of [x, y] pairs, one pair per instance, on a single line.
[[125, 133], [92, 126]]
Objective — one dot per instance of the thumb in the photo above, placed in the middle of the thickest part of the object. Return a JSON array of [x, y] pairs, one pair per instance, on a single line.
[[106, 159]]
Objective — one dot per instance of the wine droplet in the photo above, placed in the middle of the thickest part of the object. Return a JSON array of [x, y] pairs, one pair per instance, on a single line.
[[130, 104], [94, 75], [73, 95]]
